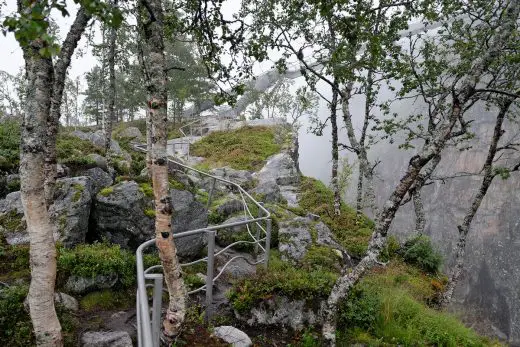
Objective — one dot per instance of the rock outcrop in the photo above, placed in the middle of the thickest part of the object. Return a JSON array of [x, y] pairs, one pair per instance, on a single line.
[[106, 339], [188, 214], [119, 215]]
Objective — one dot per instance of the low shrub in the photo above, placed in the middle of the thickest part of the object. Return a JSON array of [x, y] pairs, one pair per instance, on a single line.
[[420, 251]]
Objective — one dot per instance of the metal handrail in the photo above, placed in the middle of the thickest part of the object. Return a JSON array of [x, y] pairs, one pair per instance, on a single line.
[[148, 327]]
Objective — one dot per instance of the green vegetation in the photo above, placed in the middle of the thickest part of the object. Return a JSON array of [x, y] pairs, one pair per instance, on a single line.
[[149, 212], [14, 262], [15, 323], [106, 191], [246, 148], [9, 146], [72, 151], [77, 194], [420, 251], [107, 300], [388, 306], [313, 281], [12, 221], [351, 233], [146, 189], [100, 259]]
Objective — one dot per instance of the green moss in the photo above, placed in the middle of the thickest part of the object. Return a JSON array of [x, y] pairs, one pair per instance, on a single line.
[[321, 258], [246, 148], [150, 212], [13, 186], [15, 323], [107, 300], [174, 184], [281, 279], [351, 232], [77, 194], [106, 191], [146, 189]]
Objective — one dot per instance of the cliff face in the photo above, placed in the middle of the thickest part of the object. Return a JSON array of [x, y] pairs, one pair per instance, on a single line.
[[488, 295]]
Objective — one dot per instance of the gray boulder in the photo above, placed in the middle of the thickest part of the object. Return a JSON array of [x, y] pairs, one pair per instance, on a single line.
[[294, 238], [99, 178], [82, 285], [67, 301], [269, 191], [99, 160], [325, 237], [12, 221], [228, 235], [282, 311], [98, 139], [230, 206], [132, 133], [242, 177], [106, 339], [281, 169], [119, 215], [71, 209], [233, 336], [188, 214]]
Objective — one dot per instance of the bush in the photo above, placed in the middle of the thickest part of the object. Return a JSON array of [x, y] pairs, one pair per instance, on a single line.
[[15, 323], [9, 146], [281, 279], [97, 259], [420, 251]]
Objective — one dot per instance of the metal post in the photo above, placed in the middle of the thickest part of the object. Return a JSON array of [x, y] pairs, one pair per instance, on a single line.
[[267, 242], [210, 195], [209, 275], [156, 308], [257, 227], [138, 317]]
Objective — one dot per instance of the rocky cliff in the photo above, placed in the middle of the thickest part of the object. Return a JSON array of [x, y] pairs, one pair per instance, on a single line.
[[487, 295]]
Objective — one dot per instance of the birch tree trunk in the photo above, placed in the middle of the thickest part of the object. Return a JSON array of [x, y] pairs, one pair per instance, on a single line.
[[110, 115], [334, 125], [489, 175], [53, 120], [415, 192], [40, 76], [157, 107]]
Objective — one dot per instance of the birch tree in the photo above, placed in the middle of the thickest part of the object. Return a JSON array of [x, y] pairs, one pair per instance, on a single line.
[[464, 82], [151, 19], [45, 81]]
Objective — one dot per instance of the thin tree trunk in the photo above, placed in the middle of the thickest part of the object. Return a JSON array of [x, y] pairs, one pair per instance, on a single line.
[[53, 121], [157, 105], [489, 175], [335, 159], [111, 116], [415, 192], [45, 322]]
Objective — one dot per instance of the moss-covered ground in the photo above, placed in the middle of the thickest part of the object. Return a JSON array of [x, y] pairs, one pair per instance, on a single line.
[[246, 148]]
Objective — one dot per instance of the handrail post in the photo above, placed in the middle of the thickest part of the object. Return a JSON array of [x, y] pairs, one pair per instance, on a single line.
[[138, 319], [210, 195], [257, 227], [209, 275], [267, 242], [156, 308]]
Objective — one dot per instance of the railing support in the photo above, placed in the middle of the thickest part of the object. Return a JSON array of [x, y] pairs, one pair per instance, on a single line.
[[157, 307], [267, 242], [257, 227], [211, 189], [209, 275]]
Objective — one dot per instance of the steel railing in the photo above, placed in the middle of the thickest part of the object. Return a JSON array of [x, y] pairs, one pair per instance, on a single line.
[[259, 232]]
